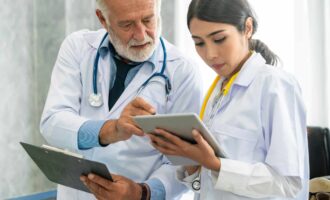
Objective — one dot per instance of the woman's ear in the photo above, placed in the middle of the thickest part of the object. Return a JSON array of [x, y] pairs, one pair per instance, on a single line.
[[249, 27]]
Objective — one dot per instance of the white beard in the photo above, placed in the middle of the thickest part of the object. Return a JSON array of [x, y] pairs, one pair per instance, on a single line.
[[126, 51]]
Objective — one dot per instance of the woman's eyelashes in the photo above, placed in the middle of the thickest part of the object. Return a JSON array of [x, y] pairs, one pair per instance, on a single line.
[[199, 44], [216, 41], [220, 40]]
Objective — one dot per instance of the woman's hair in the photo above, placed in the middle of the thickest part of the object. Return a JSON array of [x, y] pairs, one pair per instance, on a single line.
[[234, 12]]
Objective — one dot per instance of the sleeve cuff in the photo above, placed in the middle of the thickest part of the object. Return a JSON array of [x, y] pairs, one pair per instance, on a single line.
[[228, 177], [157, 189], [88, 134]]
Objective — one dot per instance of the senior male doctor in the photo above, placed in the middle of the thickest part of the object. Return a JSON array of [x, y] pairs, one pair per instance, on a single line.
[[96, 89]]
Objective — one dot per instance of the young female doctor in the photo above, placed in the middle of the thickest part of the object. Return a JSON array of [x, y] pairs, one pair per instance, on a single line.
[[254, 110]]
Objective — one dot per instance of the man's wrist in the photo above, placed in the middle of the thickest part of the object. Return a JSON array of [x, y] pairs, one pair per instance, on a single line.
[[108, 133], [145, 191]]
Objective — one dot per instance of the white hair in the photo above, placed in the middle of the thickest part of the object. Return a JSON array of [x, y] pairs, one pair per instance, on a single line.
[[101, 5]]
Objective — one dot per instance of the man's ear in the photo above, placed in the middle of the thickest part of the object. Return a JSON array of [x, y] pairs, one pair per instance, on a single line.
[[101, 18], [249, 27]]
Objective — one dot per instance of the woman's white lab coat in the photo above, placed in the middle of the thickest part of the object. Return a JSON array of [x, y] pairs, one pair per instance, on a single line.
[[67, 108], [261, 126]]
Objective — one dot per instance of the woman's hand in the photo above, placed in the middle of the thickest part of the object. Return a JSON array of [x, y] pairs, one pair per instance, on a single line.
[[201, 152]]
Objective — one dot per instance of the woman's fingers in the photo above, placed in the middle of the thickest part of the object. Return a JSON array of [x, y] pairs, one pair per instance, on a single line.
[[197, 136], [164, 150], [170, 137], [161, 142], [199, 139]]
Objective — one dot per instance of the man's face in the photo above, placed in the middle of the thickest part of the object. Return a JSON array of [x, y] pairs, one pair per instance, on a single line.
[[133, 27]]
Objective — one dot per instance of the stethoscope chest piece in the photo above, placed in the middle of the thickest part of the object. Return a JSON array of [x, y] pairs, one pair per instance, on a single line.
[[95, 100], [196, 185]]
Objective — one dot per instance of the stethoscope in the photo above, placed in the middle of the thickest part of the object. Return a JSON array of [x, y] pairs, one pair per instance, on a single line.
[[95, 99]]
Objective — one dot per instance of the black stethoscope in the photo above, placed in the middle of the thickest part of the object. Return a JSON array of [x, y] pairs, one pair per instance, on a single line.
[[95, 99]]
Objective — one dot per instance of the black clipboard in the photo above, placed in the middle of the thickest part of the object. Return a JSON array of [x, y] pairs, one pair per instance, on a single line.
[[63, 168]]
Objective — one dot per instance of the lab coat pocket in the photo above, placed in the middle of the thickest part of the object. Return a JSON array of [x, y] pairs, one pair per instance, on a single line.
[[237, 143]]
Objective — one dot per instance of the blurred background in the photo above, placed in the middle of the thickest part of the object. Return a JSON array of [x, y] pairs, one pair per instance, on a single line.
[[31, 32]]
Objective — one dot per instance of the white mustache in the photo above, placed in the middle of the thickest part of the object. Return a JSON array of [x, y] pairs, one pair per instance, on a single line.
[[134, 42]]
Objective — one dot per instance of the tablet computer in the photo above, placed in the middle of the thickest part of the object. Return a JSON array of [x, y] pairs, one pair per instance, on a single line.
[[181, 125], [65, 168]]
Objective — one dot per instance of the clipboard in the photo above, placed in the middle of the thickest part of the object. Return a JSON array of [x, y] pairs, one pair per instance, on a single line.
[[181, 125], [65, 168]]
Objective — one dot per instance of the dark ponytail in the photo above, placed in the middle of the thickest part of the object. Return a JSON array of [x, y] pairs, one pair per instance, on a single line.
[[234, 12], [260, 47]]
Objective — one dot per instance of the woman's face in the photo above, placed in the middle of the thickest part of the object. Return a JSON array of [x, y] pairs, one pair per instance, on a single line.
[[221, 46]]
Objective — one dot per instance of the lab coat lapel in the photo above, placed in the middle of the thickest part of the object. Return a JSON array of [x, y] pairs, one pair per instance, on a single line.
[[143, 74], [245, 76], [103, 79], [93, 39]]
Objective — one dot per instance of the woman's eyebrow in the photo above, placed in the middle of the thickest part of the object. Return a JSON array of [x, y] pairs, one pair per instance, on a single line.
[[208, 35]]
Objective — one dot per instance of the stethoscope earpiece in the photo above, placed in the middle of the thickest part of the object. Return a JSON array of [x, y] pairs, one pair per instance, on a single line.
[[95, 99]]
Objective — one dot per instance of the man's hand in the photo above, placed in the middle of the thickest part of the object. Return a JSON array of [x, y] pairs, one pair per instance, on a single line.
[[120, 189], [123, 128]]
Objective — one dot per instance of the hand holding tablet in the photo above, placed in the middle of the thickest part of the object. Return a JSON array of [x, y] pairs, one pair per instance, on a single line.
[[180, 125]]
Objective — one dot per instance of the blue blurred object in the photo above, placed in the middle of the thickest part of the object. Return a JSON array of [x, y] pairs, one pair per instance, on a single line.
[[48, 195]]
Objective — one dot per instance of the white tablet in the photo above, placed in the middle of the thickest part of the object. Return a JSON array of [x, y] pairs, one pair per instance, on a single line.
[[182, 126]]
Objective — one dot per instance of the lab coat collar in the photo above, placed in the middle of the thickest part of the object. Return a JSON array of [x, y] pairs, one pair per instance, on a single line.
[[250, 69], [246, 75], [94, 38]]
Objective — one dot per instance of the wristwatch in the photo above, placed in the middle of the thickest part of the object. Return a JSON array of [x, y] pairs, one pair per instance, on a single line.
[[144, 188]]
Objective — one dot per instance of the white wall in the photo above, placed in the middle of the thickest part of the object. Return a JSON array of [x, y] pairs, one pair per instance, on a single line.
[[30, 33]]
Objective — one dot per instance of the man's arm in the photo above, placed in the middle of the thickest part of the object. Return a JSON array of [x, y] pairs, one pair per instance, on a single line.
[[117, 130], [60, 120]]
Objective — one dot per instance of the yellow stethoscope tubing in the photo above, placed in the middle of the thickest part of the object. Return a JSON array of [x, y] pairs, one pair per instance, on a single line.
[[225, 91]]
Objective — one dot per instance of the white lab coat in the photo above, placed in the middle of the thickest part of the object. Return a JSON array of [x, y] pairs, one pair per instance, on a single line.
[[261, 126], [67, 108]]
